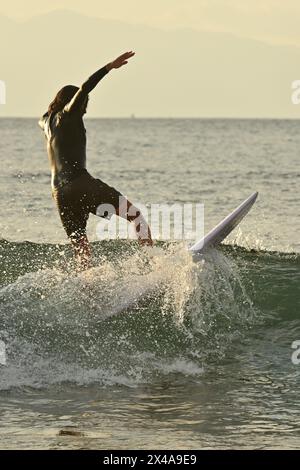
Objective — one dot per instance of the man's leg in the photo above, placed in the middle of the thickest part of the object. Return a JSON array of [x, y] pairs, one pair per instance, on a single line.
[[129, 212], [82, 250], [107, 201], [74, 220], [73, 209]]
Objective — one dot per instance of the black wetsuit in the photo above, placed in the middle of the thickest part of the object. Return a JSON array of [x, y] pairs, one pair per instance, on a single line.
[[76, 192]]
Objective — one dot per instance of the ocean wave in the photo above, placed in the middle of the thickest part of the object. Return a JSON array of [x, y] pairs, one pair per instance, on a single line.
[[138, 313]]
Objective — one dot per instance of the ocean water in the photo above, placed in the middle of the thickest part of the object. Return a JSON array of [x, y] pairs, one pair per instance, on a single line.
[[149, 349]]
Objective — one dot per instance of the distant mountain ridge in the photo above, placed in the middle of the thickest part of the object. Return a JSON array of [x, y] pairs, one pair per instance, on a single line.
[[175, 72]]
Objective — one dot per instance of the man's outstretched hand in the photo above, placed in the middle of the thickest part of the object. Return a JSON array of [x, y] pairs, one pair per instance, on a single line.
[[120, 61]]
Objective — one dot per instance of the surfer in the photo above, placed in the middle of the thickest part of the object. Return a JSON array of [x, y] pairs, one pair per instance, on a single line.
[[75, 191]]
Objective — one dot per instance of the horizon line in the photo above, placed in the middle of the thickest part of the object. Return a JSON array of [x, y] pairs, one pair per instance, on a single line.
[[134, 117]]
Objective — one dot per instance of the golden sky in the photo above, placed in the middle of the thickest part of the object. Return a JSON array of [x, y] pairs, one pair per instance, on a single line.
[[273, 20], [194, 58]]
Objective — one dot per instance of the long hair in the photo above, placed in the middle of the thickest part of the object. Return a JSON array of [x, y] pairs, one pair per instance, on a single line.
[[62, 98]]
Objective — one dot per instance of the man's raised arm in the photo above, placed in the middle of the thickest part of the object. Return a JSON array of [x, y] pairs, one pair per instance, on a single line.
[[80, 97]]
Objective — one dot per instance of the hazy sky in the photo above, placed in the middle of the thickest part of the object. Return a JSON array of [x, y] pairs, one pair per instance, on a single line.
[[277, 21], [186, 63]]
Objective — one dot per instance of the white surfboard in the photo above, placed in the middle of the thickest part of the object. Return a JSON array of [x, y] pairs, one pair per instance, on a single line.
[[224, 228]]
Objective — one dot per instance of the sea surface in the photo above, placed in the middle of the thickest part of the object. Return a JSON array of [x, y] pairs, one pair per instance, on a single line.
[[149, 349]]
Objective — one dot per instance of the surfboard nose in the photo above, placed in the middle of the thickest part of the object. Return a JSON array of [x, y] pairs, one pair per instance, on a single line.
[[225, 227]]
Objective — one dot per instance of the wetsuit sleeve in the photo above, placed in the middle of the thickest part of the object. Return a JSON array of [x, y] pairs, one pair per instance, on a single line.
[[81, 95]]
